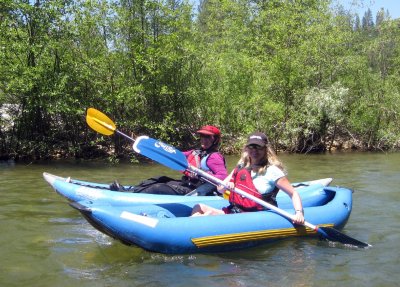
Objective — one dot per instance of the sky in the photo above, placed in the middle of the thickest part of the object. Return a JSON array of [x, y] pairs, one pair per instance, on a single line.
[[393, 6]]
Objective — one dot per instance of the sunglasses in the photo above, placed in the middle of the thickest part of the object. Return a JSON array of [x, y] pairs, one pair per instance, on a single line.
[[205, 136], [256, 147]]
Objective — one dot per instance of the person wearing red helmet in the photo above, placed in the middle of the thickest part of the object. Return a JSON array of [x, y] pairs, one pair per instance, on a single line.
[[207, 158]]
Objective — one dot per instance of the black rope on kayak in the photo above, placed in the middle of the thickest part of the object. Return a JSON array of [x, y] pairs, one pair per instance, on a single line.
[[124, 189], [89, 185]]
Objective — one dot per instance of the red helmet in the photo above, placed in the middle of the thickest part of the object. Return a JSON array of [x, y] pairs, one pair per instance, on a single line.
[[209, 130]]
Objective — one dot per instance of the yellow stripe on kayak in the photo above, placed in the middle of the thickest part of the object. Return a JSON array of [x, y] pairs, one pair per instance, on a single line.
[[235, 238]]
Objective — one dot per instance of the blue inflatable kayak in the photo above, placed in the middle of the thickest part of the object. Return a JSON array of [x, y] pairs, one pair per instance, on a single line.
[[167, 227], [75, 190]]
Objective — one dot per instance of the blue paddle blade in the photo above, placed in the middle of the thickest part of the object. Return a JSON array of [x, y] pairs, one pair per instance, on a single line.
[[160, 152]]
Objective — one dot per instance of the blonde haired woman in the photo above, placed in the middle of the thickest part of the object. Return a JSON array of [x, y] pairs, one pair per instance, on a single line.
[[259, 171]]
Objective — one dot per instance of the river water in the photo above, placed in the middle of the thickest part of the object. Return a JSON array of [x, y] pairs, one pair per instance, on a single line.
[[44, 242]]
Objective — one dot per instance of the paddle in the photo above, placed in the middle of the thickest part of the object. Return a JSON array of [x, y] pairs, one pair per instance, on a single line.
[[100, 123], [161, 152], [175, 159]]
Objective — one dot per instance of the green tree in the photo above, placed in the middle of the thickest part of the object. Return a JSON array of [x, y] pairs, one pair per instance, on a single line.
[[28, 70], [367, 20]]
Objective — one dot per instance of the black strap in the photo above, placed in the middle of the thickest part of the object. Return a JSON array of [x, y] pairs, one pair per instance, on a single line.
[[270, 197]]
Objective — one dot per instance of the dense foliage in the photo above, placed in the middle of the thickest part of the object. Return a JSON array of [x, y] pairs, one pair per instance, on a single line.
[[308, 73]]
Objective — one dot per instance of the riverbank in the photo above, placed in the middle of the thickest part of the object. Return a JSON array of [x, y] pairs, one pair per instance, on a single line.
[[107, 151]]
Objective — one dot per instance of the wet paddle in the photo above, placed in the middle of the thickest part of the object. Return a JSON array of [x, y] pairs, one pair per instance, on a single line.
[[162, 152], [175, 159]]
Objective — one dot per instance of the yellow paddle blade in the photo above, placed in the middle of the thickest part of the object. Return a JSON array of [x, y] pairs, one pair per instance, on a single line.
[[99, 122]]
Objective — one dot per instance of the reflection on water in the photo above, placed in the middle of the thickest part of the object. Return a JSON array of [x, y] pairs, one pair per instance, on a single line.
[[7, 163], [44, 242]]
